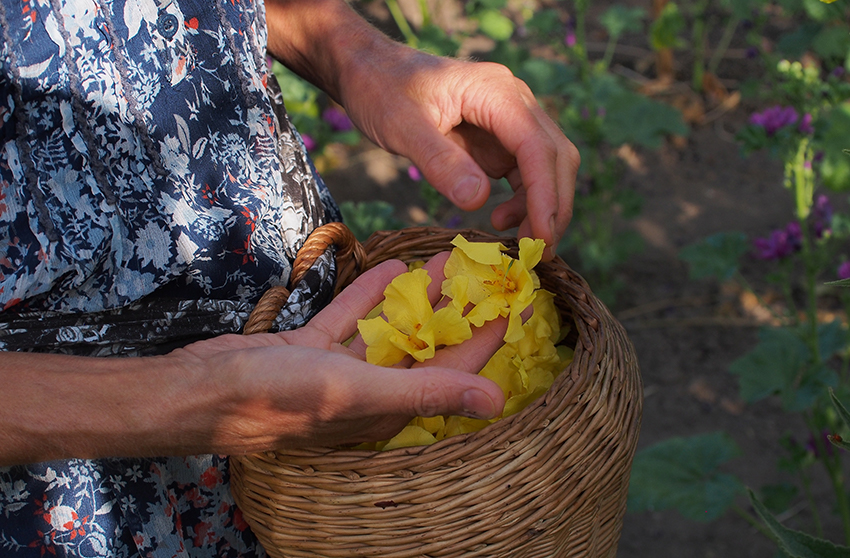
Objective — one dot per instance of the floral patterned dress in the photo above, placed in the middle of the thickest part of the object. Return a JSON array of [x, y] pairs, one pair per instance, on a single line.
[[151, 189]]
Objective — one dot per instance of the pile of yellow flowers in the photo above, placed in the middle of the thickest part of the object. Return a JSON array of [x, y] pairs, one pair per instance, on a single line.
[[482, 283]]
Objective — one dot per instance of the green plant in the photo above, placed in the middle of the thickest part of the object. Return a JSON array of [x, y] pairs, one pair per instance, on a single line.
[[802, 361]]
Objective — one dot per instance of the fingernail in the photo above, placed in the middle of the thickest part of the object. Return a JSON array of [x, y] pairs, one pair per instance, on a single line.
[[477, 404], [466, 189]]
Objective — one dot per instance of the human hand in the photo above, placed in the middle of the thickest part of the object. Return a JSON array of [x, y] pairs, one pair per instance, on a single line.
[[305, 388], [462, 122]]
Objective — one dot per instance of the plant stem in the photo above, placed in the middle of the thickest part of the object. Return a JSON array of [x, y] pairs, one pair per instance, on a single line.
[[807, 489], [401, 22], [752, 521], [581, 40], [699, 52], [610, 48], [426, 13], [723, 45], [837, 479], [832, 463]]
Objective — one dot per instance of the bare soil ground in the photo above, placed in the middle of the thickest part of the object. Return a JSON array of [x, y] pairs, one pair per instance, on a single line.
[[685, 332]]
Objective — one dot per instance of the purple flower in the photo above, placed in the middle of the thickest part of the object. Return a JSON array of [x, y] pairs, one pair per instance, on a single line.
[[338, 120], [414, 173], [838, 71], [821, 215], [751, 52], [570, 37], [812, 445], [844, 270], [780, 244], [805, 125], [309, 142], [774, 118], [454, 222]]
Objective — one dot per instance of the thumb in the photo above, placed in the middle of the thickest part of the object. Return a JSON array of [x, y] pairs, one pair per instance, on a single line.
[[449, 168], [432, 391]]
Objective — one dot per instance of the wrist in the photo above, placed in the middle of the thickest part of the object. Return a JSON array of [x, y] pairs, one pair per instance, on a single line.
[[325, 42]]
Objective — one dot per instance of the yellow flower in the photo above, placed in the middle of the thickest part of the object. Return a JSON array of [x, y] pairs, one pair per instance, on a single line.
[[412, 327], [496, 284], [461, 425], [410, 436]]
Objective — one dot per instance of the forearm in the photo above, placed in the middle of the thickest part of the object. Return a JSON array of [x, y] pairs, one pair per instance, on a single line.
[[324, 41], [56, 406]]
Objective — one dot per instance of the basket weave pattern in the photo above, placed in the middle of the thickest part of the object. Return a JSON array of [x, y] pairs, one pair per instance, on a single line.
[[550, 481]]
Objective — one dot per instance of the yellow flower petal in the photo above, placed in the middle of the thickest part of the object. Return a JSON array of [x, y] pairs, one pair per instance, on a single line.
[[519, 402], [432, 425], [406, 303], [456, 425], [502, 368], [459, 267], [410, 436], [381, 342], [487, 253], [530, 252], [446, 327]]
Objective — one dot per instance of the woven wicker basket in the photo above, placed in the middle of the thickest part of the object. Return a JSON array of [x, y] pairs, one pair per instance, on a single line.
[[548, 482]]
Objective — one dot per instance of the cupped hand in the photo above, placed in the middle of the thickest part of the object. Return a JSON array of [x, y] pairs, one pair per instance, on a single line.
[[461, 122], [306, 388]]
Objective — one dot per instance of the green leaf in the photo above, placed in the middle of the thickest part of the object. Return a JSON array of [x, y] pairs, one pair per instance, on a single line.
[[495, 25], [664, 32], [839, 283], [796, 544], [772, 365], [815, 378], [546, 77], [778, 497], [683, 474], [637, 119], [780, 365], [823, 11], [832, 43], [476, 6], [618, 19], [715, 256], [832, 339], [741, 9], [840, 408], [835, 137], [795, 44], [544, 22], [434, 40]]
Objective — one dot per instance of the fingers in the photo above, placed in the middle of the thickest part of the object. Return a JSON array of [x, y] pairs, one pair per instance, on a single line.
[[434, 267], [546, 161], [430, 391], [449, 168], [338, 320], [471, 355]]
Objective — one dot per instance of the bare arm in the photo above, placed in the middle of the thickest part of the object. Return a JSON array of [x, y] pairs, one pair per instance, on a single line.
[[236, 394], [460, 122]]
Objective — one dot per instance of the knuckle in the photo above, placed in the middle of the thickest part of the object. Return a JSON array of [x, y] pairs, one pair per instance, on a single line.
[[431, 399]]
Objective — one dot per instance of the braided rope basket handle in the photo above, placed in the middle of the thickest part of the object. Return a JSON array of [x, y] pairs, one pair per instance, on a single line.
[[350, 256]]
